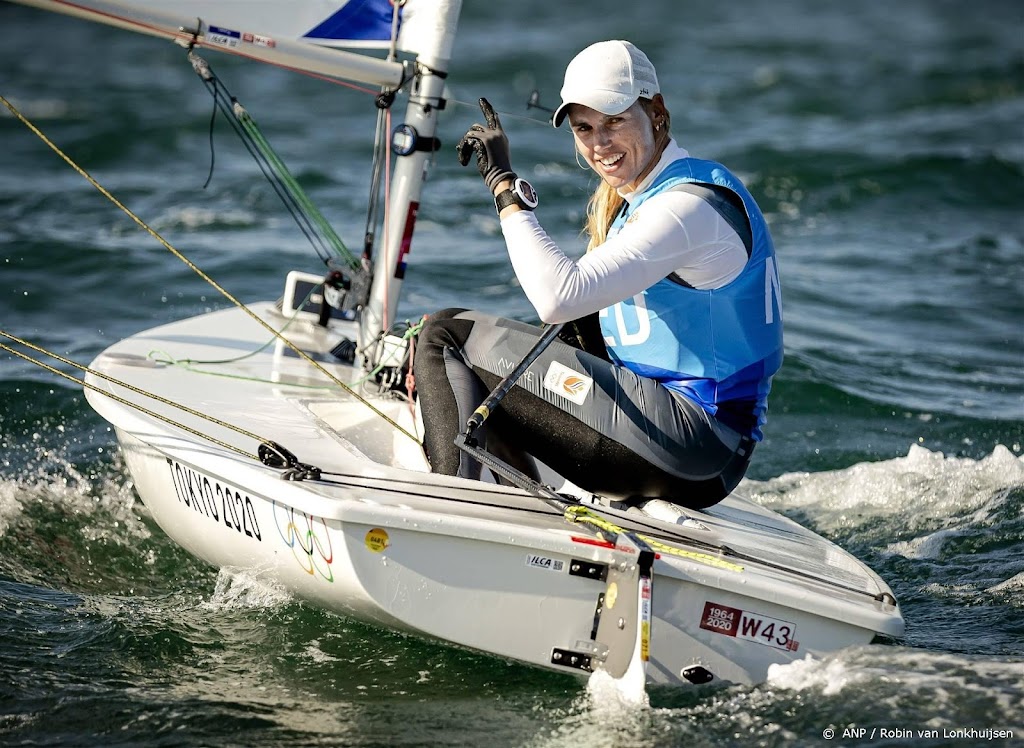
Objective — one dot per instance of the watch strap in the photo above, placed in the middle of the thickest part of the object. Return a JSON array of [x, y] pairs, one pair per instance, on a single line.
[[521, 193], [506, 198]]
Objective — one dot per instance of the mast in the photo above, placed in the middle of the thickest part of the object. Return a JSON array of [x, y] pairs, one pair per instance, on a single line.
[[301, 34], [429, 31]]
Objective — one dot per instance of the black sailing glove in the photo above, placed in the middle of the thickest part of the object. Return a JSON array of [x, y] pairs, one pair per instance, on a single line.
[[491, 147]]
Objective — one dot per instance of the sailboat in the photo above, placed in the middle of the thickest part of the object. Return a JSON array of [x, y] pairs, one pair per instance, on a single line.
[[285, 463]]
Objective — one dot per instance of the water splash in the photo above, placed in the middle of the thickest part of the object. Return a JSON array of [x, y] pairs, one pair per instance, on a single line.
[[103, 504], [942, 687], [10, 505], [613, 695], [920, 488], [238, 589], [830, 676], [99, 496], [599, 717]]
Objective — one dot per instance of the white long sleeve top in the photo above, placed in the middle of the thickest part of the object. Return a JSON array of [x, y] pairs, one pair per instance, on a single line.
[[673, 232]]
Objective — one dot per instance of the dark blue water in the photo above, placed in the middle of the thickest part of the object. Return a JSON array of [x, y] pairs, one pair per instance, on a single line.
[[886, 147]]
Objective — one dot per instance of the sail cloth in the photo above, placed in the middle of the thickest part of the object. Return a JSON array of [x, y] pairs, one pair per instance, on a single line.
[[338, 23], [356, 22], [289, 32]]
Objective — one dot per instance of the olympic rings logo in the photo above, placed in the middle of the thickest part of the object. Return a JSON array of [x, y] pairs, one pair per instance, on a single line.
[[310, 542]]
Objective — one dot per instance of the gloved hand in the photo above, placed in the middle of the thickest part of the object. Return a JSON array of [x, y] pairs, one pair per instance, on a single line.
[[491, 147]]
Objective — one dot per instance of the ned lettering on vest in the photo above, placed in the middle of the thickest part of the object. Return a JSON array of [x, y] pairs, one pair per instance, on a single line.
[[659, 386]]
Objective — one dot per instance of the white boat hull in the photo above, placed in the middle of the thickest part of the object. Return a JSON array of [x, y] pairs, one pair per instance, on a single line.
[[736, 588]]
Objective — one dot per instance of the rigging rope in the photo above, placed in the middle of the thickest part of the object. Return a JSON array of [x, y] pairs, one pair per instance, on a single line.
[[192, 266], [585, 515], [136, 390], [307, 216]]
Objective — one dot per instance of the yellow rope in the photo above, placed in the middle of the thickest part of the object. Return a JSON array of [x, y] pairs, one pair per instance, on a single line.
[[583, 515], [702, 558], [198, 271], [129, 403]]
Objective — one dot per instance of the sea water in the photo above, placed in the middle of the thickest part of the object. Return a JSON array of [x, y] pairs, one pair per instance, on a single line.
[[884, 144]]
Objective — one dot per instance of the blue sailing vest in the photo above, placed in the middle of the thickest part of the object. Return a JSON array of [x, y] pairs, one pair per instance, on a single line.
[[717, 347]]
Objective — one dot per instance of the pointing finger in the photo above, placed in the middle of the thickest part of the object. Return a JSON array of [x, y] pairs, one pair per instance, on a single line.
[[490, 115]]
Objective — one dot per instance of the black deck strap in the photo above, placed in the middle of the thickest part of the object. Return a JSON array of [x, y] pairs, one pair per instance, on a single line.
[[509, 473]]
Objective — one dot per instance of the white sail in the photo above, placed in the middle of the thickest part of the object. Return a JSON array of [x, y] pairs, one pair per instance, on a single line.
[[295, 34]]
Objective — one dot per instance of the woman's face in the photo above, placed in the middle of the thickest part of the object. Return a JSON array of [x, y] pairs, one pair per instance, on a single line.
[[619, 147]]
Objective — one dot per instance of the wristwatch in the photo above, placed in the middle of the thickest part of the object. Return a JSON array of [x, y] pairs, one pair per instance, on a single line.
[[521, 194]]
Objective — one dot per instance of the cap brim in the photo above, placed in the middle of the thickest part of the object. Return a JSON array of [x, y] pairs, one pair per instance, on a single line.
[[559, 115], [606, 102]]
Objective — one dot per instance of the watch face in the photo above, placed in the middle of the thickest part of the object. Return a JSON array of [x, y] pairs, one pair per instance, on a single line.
[[525, 192]]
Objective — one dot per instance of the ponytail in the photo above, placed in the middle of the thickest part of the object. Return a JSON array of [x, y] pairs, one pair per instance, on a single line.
[[602, 208]]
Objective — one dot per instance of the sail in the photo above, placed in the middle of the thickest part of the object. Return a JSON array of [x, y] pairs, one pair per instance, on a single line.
[[303, 34], [344, 23], [354, 22]]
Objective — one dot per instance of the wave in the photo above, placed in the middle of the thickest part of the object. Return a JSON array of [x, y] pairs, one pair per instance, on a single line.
[[894, 688], [922, 488], [944, 531], [910, 687]]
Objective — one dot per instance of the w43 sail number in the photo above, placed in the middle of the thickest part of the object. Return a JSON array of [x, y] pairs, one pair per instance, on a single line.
[[753, 627], [218, 501]]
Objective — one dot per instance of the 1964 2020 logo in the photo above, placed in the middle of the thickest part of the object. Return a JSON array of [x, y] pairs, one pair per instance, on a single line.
[[753, 627], [218, 501]]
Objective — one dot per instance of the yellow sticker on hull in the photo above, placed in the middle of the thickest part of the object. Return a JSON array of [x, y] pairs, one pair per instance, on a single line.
[[377, 540]]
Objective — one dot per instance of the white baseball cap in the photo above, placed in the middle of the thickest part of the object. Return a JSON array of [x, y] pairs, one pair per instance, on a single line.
[[609, 77]]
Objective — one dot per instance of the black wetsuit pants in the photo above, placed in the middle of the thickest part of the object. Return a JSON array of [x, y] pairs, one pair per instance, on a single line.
[[626, 437]]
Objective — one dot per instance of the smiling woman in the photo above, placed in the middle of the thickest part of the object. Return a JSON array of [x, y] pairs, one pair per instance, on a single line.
[[621, 147], [675, 309], [613, 125]]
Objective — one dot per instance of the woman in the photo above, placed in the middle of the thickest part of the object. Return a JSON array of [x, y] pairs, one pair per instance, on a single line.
[[661, 389]]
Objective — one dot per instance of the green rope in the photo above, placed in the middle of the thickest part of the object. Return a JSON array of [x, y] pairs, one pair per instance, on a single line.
[[411, 332], [294, 188], [188, 364], [198, 271]]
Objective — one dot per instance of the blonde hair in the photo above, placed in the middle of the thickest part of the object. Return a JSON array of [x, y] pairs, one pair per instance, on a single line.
[[604, 205]]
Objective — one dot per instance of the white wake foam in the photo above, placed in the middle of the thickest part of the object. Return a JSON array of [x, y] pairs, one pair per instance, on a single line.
[[105, 502], [238, 589], [831, 676], [897, 675], [10, 505], [609, 694], [923, 489]]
